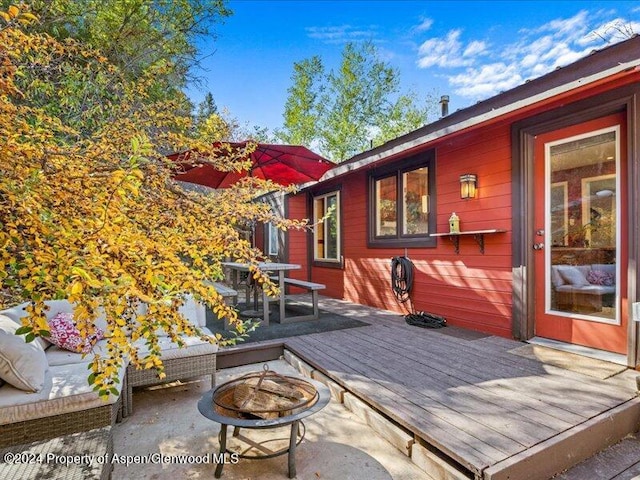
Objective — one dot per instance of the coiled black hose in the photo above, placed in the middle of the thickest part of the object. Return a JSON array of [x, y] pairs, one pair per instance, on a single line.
[[401, 283], [401, 278]]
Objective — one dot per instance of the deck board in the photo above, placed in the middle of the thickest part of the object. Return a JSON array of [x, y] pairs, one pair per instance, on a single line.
[[484, 400], [498, 363], [465, 448], [465, 395], [478, 365], [472, 416]]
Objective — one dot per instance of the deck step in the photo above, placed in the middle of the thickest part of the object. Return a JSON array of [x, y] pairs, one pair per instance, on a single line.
[[438, 468], [620, 461], [565, 450], [435, 466], [391, 432], [342, 360]]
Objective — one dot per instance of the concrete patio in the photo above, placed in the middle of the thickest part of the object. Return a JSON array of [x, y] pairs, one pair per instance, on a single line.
[[338, 445]]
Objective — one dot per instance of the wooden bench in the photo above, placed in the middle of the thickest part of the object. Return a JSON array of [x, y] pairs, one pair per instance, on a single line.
[[229, 295], [313, 288]]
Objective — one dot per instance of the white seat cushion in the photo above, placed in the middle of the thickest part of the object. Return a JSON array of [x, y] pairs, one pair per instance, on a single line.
[[192, 346], [589, 289], [65, 390], [59, 356]]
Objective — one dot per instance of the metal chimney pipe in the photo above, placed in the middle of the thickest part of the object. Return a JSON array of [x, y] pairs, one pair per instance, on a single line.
[[444, 101]]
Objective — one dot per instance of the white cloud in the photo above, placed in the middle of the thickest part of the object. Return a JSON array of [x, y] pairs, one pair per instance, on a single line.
[[535, 52], [567, 28], [486, 80], [529, 60], [424, 25], [343, 33], [475, 48], [442, 52], [573, 27]]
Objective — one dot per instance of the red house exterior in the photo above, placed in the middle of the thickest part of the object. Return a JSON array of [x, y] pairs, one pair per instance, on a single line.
[[555, 212]]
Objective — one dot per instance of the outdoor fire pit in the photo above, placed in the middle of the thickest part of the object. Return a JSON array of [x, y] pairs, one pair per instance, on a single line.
[[261, 400]]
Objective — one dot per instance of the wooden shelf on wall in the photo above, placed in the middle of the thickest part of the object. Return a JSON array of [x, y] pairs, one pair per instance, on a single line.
[[478, 235]]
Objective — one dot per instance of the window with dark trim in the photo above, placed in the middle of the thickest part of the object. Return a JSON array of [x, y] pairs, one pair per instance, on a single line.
[[402, 203]]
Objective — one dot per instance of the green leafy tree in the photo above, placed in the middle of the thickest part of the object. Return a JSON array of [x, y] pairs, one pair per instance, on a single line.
[[405, 114], [136, 36], [352, 108], [301, 112]]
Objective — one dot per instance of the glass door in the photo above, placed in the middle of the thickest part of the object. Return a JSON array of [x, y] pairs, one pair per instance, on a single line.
[[579, 253]]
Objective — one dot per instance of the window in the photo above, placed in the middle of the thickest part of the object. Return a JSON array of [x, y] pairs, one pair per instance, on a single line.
[[402, 206], [272, 239], [326, 235]]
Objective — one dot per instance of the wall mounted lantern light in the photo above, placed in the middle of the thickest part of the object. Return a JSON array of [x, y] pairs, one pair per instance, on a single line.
[[468, 184]]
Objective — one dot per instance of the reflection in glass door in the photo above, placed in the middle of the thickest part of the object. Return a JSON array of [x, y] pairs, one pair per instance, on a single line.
[[581, 226]]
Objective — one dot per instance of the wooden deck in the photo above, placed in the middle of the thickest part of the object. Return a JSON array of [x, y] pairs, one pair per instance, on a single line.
[[491, 413]]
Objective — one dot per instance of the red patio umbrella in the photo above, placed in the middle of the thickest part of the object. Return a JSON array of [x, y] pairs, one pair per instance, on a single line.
[[283, 164]]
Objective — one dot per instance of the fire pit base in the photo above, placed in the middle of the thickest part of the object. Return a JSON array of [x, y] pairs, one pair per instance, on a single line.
[[207, 407]]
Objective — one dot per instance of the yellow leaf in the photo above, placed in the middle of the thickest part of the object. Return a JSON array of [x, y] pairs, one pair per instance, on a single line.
[[76, 288], [13, 11]]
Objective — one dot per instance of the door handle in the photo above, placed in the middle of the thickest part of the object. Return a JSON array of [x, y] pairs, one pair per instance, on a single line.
[[538, 246]]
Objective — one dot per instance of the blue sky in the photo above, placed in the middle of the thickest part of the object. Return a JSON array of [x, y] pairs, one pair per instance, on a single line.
[[469, 50]]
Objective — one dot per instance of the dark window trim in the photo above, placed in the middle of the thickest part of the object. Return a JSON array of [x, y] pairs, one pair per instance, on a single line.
[[424, 159], [312, 260]]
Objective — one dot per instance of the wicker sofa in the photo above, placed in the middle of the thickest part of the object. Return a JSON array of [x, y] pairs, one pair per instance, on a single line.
[[67, 403]]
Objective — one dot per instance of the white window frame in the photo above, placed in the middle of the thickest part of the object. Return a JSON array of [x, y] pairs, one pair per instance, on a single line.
[[324, 225], [272, 239], [547, 251]]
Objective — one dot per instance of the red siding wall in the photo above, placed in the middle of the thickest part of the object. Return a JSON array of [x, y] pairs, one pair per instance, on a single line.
[[470, 289], [259, 237], [297, 239]]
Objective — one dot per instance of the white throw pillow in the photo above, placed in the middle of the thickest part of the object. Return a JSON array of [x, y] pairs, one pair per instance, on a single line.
[[573, 276], [17, 313], [22, 364]]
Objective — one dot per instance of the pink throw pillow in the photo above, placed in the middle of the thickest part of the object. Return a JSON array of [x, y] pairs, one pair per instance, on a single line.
[[65, 334], [599, 277]]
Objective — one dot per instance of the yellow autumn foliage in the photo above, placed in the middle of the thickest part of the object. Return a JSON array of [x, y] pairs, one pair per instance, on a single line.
[[88, 208]]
